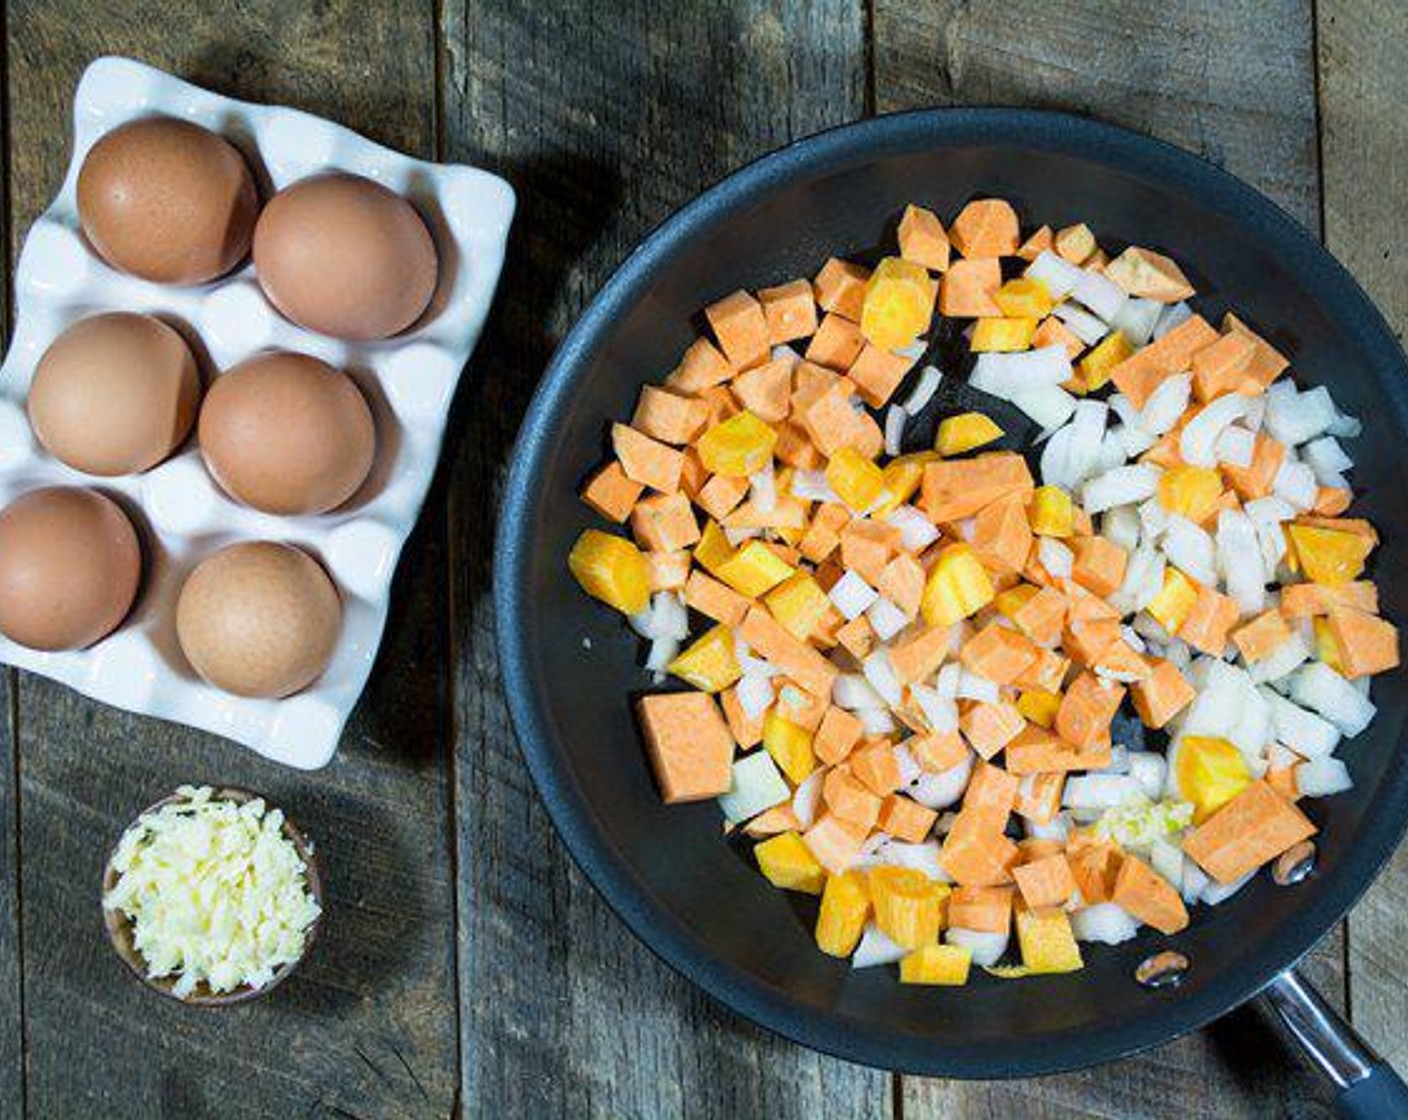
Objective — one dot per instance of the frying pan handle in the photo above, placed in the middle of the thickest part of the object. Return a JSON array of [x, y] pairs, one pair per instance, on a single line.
[[1369, 1089]]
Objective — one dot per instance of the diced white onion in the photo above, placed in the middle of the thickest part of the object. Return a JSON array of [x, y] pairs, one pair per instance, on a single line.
[[1294, 417], [1326, 458], [1120, 525], [939, 791], [851, 595], [1101, 791], [1239, 560], [1190, 548], [940, 711], [986, 947], [811, 486], [971, 686], [855, 693], [763, 486], [1089, 328], [1166, 404], [1136, 318], [1306, 733], [881, 675], [757, 785], [1055, 557], [1321, 777], [1121, 486], [1099, 293], [1214, 892], [1173, 314], [1058, 274], [917, 532], [875, 948], [895, 418], [1236, 446], [1008, 375], [1048, 405], [806, 801], [1285, 659], [1197, 443], [1318, 687], [886, 619], [1105, 922], [923, 391]]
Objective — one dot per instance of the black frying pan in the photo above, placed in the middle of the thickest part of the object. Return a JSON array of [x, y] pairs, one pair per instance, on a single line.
[[571, 668]]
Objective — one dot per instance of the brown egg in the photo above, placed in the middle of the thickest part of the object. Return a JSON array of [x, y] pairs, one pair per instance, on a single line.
[[114, 394], [69, 568], [168, 201], [286, 433], [344, 256], [259, 619]]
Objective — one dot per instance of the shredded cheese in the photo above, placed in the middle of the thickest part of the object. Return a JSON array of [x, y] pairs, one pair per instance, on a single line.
[[215, 892]]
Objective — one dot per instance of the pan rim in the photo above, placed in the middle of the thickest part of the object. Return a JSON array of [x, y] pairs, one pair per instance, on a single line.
[[669, 939]]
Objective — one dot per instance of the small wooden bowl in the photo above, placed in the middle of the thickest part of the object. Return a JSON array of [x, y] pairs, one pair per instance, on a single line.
[[119, 926]]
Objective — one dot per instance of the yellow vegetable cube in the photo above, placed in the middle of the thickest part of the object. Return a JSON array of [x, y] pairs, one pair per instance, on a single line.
[[799, 604], [845, 905], [1209, 772], [1329, 555], [790, 746], [611, 569], [1047, 941], [902, 478], [898, 304], [857, 480], [709, 664], [740, 446], [785, 861], [964, 432], [1094, 369], [1326, 648], [957, 587], [754, 569], [937, 964], [1174, 600], [1025, 297], [1190, 492], [909, 906], [1052, 513], [1039, 706], [713, 549], [997, 335]]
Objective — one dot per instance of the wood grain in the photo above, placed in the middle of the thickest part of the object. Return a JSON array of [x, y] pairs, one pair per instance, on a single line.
[[11, 971], [1363, 55], [1235, 84], [605, 117], [366, 1029]]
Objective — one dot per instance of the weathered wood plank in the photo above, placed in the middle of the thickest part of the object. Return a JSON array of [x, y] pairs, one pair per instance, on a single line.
[[367, 1029], [605, 117], [1234, 83], [1363, 56], [11, 972]]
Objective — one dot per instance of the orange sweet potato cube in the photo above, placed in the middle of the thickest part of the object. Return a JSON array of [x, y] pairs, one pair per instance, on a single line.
[[1144, 370], [937, 751], [1048, 672], [1264, 633], [1366, 644], [990, 727], [1045, 882], [701, 367], [922, 238], [857, 637], [1255, 826], [1209, 621], [664, 521], [1256, 480], [848, 799], [1039, 796], [1099, 565], [834, 843], [991, 794], [669, 417], [693, 473], [916, 657], [797, 705], [837, 735], [1149, 896], [975, 853], [1220, 367], [1162, 694], [1087, 709], [741, 327], [1002, 535], [874, 763], [746, 730], [766, 390], [794, 448], [986, 227], [905, 819], [982, 909], [646, 460], [790, 311], [611, 493], [877, 373], [1052, 332], [1267, 362], [902, 582], [836, 344], [998, 653], [689, 745], [721, 494], [714, 599], [769, 639], [780, 818], [832, 423], [1041, 241], [968, 288], [840, 287], [1305, 600], [868, 546], [957, 488], [1042, 617], [1095, 864], [668, 570]]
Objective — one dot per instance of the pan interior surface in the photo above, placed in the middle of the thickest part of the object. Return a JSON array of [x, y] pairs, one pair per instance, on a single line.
[[572, 668]]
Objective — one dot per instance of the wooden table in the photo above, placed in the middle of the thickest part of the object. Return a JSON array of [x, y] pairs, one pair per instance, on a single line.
[[467, 965]]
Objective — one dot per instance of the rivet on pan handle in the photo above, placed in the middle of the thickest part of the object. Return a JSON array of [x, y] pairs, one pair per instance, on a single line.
[[1368, 1088]]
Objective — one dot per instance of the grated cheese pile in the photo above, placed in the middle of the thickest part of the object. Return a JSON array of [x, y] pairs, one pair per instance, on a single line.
[[215, 892]]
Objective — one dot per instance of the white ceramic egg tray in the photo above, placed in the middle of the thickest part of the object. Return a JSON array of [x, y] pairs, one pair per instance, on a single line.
[[181, 514]]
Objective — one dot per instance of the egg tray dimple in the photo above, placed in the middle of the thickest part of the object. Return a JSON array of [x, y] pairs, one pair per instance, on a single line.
[[181, 514]]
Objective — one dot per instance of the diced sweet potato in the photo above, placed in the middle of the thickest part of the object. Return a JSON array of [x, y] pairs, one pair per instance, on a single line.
[[1096, 866], [1141, 373], [646, 460], [847, 798], [937, 751], [1257, 638], [902, 582], [981, 909], [1036, 244], [769, 639], [1039, 796], [1366, 644], [766, 390], [874, 763], [1075, 243], [1148, 896], [998, 653], [790, 311], [832, 423], [1267, 362], [867, 547], [836, 344], [975, 853], [991, 794], [985, 228], [1221, 367], [840, 287], [1151, 275], [1208, 623], [702, 366], [741, 327], [669, 417], [668, 570], [1099, 565], [857, 637], [1255, 826], [746, 730], [1052, 332], [796, 705], [611, 493], [877, 373], [1002, 536], [1255, 481], [715, 600], [922, 238], [905, 819], [1305, 600], [837, 735], [688, 743], [1087, 709], [1045, 882], [1162, 694], [721, 494], [990, 727], [771, 822], [957, 488], [916, 656], [1038, 750], [664, 521], [834, 842], [969, 287]]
